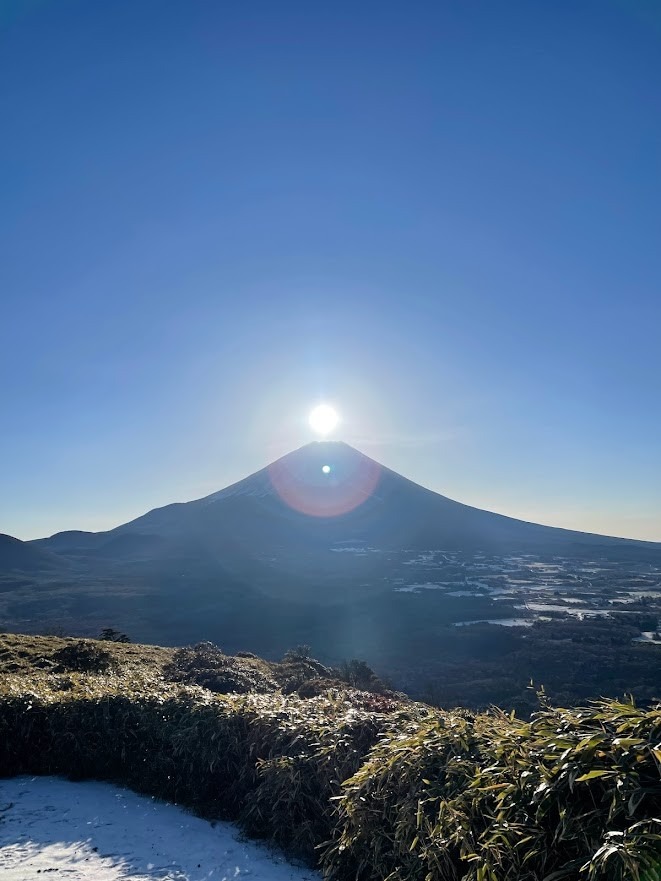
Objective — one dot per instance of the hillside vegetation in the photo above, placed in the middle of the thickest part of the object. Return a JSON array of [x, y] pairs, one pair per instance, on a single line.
[[369, 785]]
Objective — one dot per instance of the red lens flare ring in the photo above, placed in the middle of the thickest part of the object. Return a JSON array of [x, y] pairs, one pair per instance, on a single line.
[[327, 486]]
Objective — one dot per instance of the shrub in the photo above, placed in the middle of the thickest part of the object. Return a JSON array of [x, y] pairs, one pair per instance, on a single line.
[[574, 794], [298, 653], [359, 674], [109, 634], [270, 761], [206, 665], [85, 657]]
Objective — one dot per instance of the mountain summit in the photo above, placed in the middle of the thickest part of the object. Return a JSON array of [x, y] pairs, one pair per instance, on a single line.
[[321, 479]]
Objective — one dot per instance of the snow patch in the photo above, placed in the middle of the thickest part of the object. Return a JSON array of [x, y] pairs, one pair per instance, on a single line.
[[97, 832]]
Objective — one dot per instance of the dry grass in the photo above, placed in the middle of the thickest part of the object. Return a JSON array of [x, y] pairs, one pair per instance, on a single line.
[[23, 654], [374, 787]]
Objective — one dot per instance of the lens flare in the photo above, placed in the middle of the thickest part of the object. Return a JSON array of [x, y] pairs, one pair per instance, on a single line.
[[325, 479]]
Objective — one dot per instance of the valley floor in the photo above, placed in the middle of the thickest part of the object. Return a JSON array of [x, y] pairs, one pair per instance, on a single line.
[[85, 831]]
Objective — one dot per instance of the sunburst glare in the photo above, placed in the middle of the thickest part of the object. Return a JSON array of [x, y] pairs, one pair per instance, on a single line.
[[323, 419]]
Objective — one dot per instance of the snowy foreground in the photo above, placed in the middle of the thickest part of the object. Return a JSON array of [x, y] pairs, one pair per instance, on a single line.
[[99, 832]]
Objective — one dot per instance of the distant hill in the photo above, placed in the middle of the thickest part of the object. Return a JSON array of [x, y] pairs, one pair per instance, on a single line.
[[21, 556]]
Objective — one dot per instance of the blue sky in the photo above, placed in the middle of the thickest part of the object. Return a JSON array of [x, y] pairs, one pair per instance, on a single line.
[[443, 217]]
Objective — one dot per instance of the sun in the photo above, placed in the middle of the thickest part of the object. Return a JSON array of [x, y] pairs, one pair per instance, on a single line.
[[323, 419]]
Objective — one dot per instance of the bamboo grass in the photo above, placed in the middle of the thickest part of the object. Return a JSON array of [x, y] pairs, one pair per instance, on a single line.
[[409, 793]]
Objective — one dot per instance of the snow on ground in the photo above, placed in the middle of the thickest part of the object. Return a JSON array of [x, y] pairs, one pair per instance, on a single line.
[[98, 832]]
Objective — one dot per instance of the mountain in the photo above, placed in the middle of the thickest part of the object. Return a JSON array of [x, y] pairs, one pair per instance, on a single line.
[[319, 495], [329, 548]]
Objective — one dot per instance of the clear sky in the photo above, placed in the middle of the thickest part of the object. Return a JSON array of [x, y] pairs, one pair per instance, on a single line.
[[442, 216]]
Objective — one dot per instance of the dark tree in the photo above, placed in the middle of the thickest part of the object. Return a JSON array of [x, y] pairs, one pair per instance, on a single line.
[[109, 634]]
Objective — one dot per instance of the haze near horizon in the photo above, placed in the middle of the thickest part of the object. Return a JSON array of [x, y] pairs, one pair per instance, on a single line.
[[442, 219]]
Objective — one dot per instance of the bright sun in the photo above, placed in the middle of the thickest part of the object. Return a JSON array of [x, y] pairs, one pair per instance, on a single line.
[[323, 419]]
